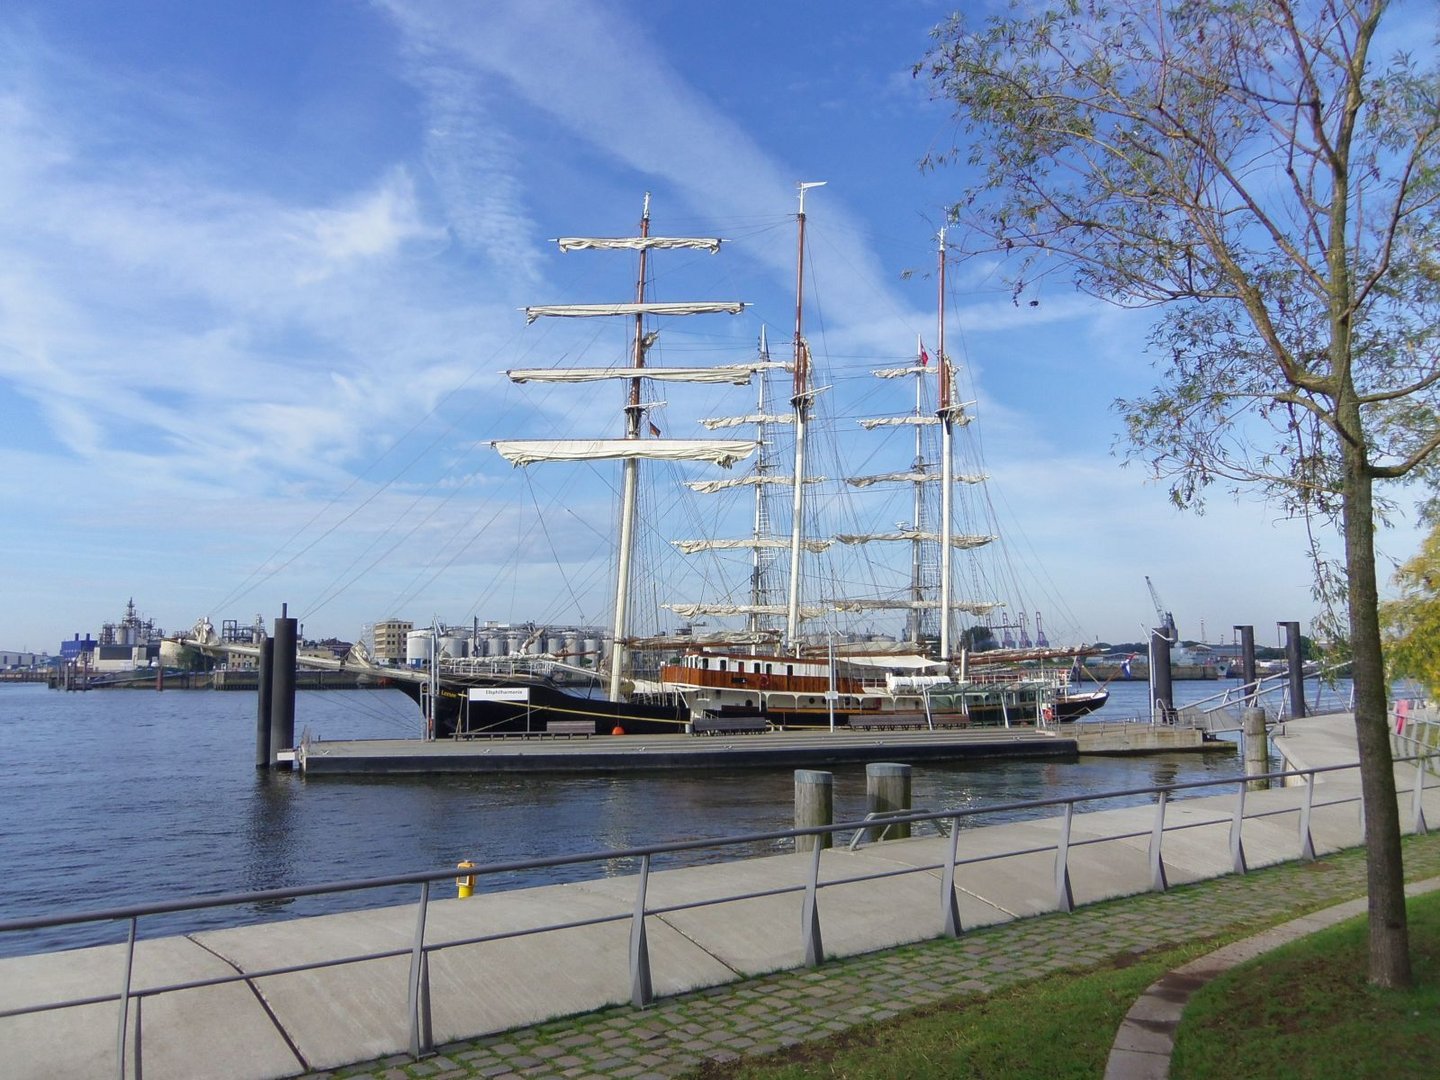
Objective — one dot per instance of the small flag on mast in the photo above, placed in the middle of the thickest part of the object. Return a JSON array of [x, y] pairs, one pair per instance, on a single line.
[[654, 431], [924, 356]]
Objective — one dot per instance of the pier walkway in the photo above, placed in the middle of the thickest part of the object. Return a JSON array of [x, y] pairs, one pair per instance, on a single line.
[[729, 978]]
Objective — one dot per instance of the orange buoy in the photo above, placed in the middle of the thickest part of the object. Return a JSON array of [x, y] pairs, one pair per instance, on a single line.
[[617, 730]]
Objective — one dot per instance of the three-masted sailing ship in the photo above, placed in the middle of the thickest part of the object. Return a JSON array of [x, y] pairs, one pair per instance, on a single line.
[[773, 672]]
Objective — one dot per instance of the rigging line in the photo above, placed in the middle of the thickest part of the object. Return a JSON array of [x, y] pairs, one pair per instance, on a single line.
[[386, 553], [257, 576], [466, 415], [411, 591], [545, 531]]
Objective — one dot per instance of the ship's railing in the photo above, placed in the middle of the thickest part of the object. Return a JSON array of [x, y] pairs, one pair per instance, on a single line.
[[127, 997]]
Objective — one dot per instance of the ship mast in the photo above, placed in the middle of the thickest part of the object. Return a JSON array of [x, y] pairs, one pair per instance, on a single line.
[[947, 464], [760, 559], [630, 449], [800, 400], [915, 618], [629, 476]]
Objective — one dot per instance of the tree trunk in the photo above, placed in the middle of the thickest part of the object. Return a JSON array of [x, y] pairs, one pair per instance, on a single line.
[[1385, 874]]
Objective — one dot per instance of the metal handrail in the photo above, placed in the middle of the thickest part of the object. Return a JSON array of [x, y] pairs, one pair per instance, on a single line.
[[418, 1005]]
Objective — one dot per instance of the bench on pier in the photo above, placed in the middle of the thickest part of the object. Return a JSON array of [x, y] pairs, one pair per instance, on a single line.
[[891, 722], [729, 725], [569, 728]]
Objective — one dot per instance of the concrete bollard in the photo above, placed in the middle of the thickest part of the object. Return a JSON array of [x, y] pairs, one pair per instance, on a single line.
[[814, 806], [1257, 751], [887, 787]]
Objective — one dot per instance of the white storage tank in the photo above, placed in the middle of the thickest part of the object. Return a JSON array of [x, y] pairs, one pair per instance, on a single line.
[[417, 648], [454, 646]]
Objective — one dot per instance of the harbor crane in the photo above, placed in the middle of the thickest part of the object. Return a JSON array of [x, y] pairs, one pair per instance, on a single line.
[[1167, 620]]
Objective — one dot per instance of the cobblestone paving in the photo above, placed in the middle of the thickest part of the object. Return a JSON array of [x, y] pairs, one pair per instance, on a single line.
[[759, 1015]]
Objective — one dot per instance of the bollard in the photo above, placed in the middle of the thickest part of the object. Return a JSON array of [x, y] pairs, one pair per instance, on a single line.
[[1257, 753], [465, 884], [1296, 667], [814, 805], [282, 687], [887, 788]]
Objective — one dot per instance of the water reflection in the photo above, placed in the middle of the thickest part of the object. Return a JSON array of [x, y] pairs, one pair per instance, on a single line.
[[270, 837]]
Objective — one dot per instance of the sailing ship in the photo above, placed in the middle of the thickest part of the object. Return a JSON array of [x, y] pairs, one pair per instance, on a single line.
[[773, 673], [923, 683]]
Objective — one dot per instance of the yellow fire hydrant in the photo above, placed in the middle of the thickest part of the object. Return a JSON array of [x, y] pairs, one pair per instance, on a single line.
[[465, 884]]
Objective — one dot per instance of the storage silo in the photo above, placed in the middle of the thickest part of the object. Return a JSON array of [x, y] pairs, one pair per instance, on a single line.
[[417, 648]]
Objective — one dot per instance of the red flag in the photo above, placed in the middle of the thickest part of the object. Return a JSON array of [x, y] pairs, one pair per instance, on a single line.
[[654, 431], [924, 356]]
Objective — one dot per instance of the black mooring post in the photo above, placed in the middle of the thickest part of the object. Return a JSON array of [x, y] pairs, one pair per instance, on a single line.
[[282, 682], [264, 686], [1162, 690], [1297, 668], [1247, 660]]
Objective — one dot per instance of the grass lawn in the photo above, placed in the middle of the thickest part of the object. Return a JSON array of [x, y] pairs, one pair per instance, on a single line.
[[1060, 1026], [1303, 1011], [1307, 1011]]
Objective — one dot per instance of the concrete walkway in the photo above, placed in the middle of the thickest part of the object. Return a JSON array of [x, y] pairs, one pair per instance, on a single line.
[[714, 967]]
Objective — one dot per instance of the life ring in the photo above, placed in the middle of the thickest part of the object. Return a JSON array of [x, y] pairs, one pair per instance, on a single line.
[[764, 681], [1047, 714]]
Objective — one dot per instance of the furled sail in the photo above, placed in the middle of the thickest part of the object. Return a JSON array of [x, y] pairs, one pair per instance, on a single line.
[[638, 243], [722, 452], [709, 487], [689, 611], [960, 541], [714, 423], [972, 607], [736, 374], [690, 547], [586, 311], [898, 421], [911, 478]]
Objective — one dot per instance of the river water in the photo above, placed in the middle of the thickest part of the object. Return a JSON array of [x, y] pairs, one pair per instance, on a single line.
[[116, 797]]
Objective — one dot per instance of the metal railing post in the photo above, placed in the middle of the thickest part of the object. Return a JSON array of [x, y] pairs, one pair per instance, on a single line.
[[810, 916], [1418, 797], [1307, 842], [1158, 881], [417, 998], [1064, 896], [1237, 842], [120, 1037], [642, 992], [949, 905]]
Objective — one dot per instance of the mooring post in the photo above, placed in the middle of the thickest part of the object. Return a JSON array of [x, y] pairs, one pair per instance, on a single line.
[[1247, 661], [1162, 691], [1257, 752], [282, 687], [263, 687], [1297, 668], [887, 789], [814, 806]]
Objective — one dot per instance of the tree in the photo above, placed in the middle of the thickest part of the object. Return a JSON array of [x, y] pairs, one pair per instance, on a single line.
[[1247, 168], [1412, 622]]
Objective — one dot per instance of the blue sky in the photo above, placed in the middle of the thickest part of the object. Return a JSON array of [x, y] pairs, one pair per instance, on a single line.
[[261, 268]]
